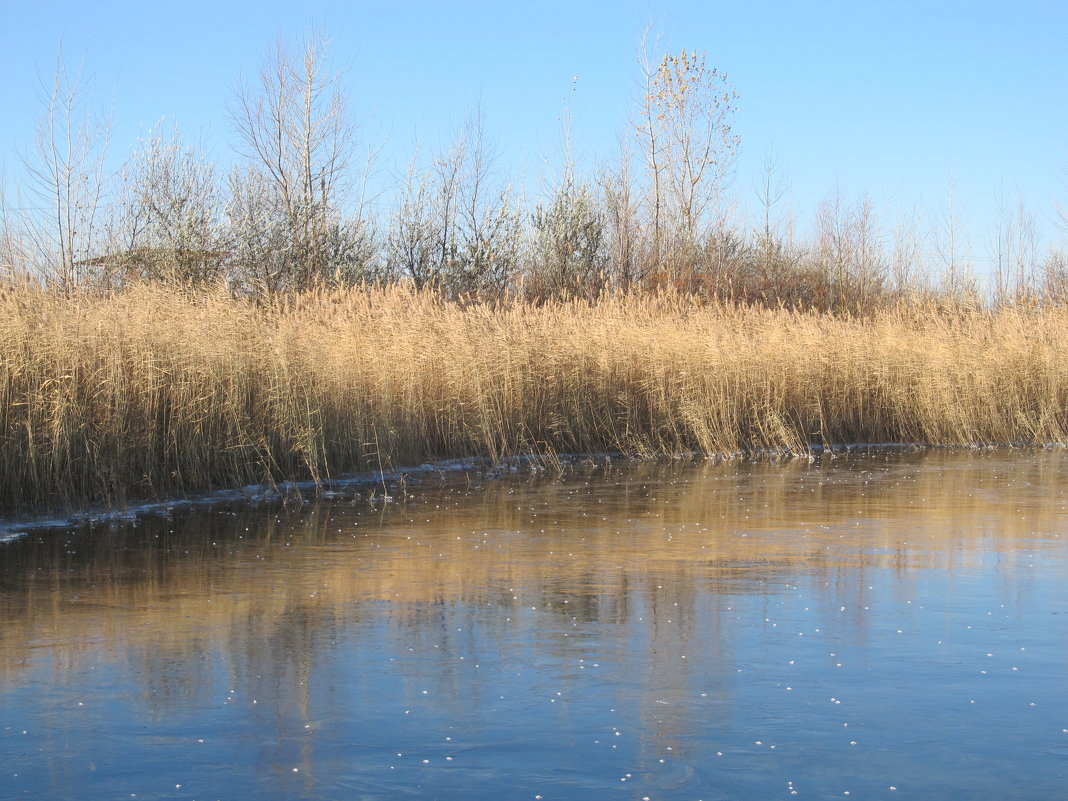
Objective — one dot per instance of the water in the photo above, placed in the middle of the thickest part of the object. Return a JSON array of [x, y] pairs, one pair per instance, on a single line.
[[882, 626]]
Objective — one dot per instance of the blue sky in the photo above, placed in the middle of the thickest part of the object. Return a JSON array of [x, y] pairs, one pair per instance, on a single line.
[[884, 98]]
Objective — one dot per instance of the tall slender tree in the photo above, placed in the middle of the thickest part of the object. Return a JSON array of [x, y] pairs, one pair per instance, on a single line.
[[297, 131], [685, 128], [66, 177]]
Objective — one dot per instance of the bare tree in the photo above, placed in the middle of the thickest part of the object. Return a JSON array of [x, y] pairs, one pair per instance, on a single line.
[[909, 244], [296, 128], [684, 123], [568, 256], [66, 178], [649, 130], [454, 228], [259, 233], [623, 230], [773, 252], [849, 248], [1054, 277], [13, 256], [1014, 251], [448, 170], [414, 241], [171, 207], [950, 238], [869, 265], [479, 225], [569, 253]]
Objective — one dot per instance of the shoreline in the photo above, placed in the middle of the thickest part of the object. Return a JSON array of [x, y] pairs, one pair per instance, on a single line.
[[157, 394], [350, 486]]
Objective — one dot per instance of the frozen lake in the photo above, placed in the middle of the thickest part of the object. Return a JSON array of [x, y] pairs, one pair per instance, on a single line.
[[891, 625]]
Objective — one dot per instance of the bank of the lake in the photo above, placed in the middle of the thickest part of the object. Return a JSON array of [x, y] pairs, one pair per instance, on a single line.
[[156, 393]]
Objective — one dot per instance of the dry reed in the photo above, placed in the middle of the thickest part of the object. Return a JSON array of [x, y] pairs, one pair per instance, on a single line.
[[155, 392]]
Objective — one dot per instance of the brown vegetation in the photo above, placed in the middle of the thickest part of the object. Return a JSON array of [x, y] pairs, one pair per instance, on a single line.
[[153, 393]]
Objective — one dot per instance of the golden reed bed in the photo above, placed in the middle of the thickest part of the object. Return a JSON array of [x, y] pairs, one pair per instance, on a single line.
[[155, 392]]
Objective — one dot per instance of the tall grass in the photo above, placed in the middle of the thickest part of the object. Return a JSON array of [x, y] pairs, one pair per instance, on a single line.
[[155, 392]]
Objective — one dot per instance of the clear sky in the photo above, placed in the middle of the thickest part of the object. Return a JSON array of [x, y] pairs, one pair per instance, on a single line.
[[888, 98]]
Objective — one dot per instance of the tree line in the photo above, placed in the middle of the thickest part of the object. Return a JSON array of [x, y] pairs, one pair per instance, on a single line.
[[293, 212]]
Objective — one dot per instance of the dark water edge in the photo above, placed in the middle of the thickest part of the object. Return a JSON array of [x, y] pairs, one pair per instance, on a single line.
[[382, 485], [878, 620]]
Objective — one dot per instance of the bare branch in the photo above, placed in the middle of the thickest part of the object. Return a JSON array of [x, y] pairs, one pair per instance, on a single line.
[[66, 172]]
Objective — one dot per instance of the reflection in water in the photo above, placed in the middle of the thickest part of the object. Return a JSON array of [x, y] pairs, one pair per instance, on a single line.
[[685, 631]]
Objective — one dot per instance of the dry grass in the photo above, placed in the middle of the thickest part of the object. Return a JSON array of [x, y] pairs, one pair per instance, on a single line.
[[156, 393]]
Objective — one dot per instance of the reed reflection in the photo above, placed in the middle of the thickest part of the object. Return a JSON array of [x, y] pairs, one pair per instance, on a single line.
[[653, 572]]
